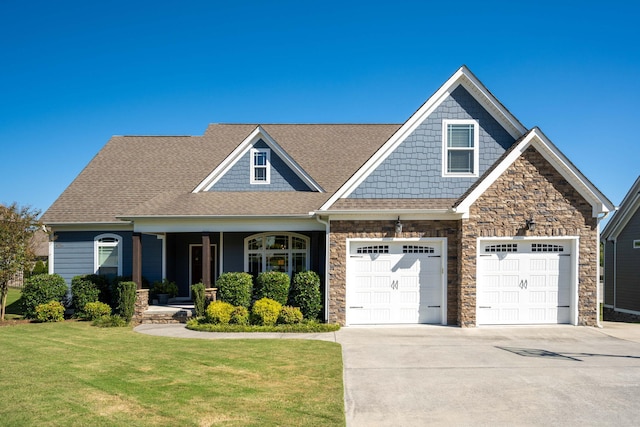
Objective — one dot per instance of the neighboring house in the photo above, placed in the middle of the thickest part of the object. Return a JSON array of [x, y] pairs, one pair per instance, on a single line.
[[621, 239], [461, 215]]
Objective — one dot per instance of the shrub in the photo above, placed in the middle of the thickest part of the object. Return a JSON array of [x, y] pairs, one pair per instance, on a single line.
[[290, 315], [165, 287], [105, 287], [83, 291], [126, 300], [52, 311], [199, 300], [305, 293], [219, 312], [96, 309], [40, 268], [239, 316], [114, 321], [273, 285], [265, 312], [41, 289], [235, 288]]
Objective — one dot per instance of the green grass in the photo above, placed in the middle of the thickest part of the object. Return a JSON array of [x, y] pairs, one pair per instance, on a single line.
[[73, 374], [14, 310]]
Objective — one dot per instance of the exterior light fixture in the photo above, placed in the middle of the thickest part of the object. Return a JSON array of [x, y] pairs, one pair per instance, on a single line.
[[398, 226], [531, 224]]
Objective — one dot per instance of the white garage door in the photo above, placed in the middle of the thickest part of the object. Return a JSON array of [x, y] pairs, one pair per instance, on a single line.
[[395, 282], [524, 282]]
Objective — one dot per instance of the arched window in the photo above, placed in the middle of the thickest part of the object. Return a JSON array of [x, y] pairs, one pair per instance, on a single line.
[[286, 252], [108, 255]]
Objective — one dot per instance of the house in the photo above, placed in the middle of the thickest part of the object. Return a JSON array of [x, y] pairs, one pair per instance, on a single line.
[[621, 241], [459, 216]]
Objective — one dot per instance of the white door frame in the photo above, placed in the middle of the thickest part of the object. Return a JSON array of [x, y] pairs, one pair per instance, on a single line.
[[574, 242], [442, 241]]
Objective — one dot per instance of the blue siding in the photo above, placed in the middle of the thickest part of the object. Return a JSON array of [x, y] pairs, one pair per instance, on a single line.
[[238, 178], [414, 169], [73, 254]]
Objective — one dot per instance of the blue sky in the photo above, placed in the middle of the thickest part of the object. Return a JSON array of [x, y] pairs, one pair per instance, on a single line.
[[74, 73]]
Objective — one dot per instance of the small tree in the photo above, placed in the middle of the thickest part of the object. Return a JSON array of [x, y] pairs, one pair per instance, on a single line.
[[17, 226]]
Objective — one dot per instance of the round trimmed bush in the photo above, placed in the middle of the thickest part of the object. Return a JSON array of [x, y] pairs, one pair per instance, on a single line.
[[305, 293], [265, 312], [95, 310], [273, 285], [239, 316], [52, 311], [235, 288], [219, 312], [41, 289], [290, 315]]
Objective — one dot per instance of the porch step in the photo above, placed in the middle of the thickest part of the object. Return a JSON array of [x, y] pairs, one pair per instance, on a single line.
[[169, 315]]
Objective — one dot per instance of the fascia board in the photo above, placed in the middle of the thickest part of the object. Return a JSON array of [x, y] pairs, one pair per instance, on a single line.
[[461, 77], [228, 162]]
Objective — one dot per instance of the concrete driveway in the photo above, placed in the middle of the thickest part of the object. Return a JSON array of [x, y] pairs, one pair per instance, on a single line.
[[431, 375]]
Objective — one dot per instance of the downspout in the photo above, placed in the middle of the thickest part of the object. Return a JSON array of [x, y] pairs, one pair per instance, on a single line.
[[327, 234]]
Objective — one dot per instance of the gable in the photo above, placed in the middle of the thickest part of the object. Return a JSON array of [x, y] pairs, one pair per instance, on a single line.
[[237, 171], [628, 211], [281, 176], [415, 167], [568, 174]]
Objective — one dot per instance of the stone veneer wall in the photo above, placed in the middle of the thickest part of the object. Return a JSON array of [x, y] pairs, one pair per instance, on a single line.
[[342, 230], [141, 305], [531, 186]]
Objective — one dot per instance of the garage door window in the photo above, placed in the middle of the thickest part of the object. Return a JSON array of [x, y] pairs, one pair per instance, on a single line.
[[543, 247], [413, 249], [503, 247], [374, 249]]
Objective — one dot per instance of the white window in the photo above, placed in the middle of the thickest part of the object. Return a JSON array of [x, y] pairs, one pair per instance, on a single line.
[[260, 165], [108, 255], [286, 252], [460, 148]]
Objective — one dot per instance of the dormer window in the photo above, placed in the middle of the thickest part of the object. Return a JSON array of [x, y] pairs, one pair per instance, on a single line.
[[460, 148], [260, 165]]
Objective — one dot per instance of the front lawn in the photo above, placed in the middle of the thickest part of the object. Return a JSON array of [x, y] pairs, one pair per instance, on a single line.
[[74, 374], [13, 309]]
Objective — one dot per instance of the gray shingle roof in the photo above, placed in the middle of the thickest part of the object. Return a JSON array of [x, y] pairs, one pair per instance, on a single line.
[[146, 175]]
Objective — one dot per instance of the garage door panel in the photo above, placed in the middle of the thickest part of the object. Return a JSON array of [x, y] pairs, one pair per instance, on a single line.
[[403, 283], [534, 284]]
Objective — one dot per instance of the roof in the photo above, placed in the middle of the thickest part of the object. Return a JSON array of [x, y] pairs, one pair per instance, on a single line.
[[155, 175], [628, 208]]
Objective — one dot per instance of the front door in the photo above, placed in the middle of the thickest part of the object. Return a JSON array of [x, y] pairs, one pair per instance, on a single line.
[[195, 265]]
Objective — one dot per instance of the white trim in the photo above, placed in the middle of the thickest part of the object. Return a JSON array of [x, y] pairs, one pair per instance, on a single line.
[[97, 244], [257, 134], [462, 77], [636, 244], [214, 225], [446, 148], [600, 204], [442, 241], [574, 242], [253, 166], [51, 259], [624, 310], [221, 261], [327, 262], [163, 237]]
